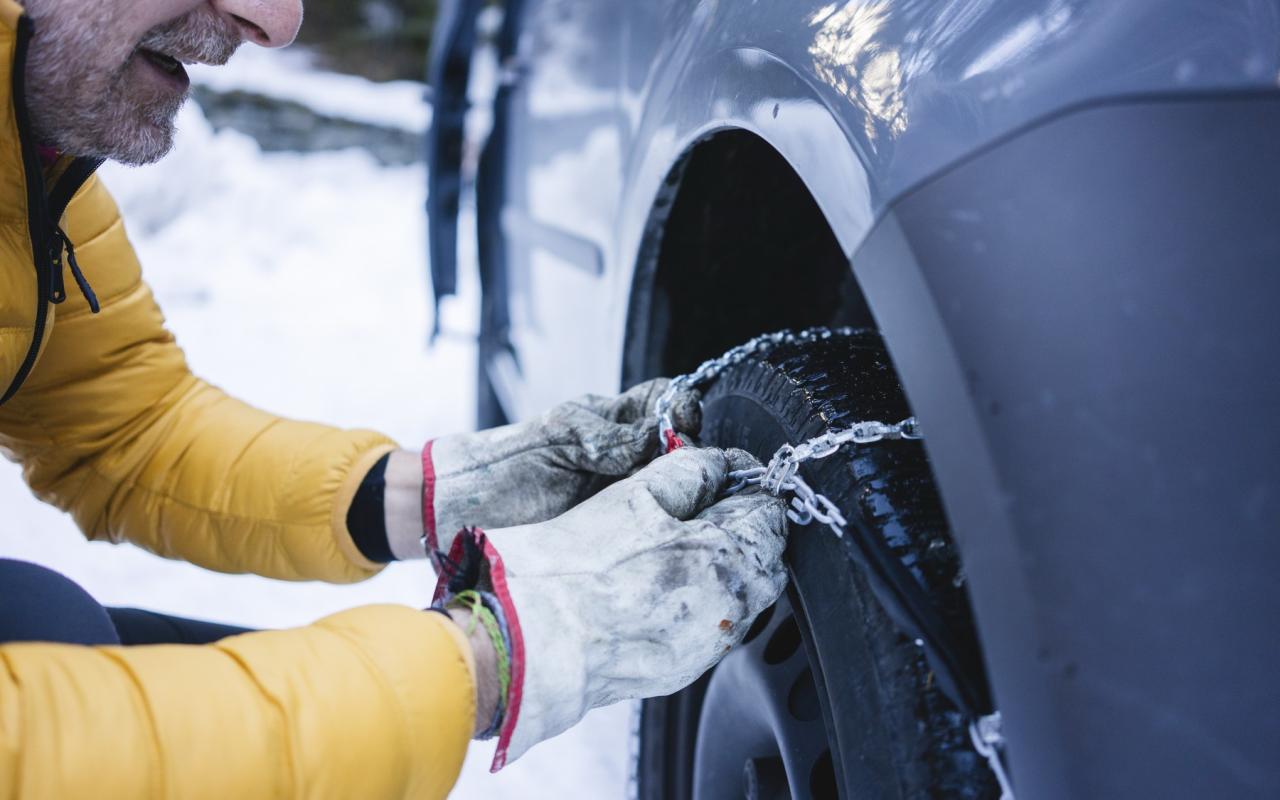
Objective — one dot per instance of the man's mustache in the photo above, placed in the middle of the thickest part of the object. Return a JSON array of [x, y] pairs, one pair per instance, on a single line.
[[200, 36]]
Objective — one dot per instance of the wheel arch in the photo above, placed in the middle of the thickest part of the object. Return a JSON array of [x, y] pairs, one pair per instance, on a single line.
[[671, 326], [705, 103], [752, 99], [731, 211]]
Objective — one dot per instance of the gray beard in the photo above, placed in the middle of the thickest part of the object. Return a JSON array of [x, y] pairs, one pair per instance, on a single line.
[[84, 94]]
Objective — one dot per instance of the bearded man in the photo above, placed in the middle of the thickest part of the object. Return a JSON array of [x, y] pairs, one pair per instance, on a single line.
[[605, 574]]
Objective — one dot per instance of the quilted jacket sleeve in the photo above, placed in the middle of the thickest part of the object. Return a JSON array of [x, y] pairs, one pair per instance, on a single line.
[[374, 703], [113, 427]]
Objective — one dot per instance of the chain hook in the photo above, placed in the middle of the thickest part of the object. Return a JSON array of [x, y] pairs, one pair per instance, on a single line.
[[988, 739]]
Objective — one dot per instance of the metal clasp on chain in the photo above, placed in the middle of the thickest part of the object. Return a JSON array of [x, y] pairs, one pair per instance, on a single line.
[[780, 470], [781, 475], [988, 739]]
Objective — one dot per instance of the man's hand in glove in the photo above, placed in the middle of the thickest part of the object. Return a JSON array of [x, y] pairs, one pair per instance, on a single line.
[[523, 473], [634, 593]]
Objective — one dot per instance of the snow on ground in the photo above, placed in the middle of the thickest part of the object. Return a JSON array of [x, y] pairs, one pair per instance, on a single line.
[[290, 75], [298, 283]]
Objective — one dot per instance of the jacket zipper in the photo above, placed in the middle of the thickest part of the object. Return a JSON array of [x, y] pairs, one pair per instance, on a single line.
[[72, 179], [44, 229]]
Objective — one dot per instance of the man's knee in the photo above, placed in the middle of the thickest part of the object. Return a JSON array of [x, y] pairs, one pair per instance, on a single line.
[[136, 626], [40, 605]]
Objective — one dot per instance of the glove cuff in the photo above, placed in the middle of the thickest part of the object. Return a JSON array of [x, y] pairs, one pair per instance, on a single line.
[[473, 564], [441, 520], [429, 500]]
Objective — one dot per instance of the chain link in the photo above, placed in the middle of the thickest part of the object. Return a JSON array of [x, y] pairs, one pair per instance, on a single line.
[[710, 369], [782, 474], [988, 739], [781, 477]]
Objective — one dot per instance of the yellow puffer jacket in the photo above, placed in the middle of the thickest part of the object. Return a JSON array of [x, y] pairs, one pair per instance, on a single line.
[[110, 425]]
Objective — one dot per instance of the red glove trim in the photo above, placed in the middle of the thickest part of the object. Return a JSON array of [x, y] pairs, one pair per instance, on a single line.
[[498, 581], [446, 572], [672, 441], [429, 500], [498, 577]]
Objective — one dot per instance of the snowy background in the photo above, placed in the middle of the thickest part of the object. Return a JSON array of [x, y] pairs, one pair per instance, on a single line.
[[297, 281]]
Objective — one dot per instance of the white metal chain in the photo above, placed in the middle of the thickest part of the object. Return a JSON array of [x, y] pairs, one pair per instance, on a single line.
[[708, 370], [782, 473], [781, 476], [988, 739]]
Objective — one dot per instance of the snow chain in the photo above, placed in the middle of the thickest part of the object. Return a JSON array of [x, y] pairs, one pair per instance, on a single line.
[[782, 476], [782, 473], [988, 739]]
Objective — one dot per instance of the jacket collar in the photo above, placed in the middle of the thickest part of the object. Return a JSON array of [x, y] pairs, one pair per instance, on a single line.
[[13, 183], [14, 174], [32, 195], [9, 13]]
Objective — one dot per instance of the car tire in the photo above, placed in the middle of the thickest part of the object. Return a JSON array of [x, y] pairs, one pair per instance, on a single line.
[[827, 696]]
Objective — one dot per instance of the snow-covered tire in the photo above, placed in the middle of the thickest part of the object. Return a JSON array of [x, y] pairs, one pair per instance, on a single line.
[[827, 697]]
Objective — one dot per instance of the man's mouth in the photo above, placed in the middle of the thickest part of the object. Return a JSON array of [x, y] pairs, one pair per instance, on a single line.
[[168, 65]]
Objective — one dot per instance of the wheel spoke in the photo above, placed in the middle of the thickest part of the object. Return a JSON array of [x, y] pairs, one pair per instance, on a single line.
[[762, 719]]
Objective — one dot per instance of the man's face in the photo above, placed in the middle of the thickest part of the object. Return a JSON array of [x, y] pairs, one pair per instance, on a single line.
[[105, 78]]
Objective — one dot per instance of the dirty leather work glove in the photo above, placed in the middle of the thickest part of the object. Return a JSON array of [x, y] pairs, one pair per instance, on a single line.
[[532, 471], [634, 593]]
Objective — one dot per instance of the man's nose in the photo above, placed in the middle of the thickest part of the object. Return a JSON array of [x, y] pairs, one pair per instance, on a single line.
[[269, 23]]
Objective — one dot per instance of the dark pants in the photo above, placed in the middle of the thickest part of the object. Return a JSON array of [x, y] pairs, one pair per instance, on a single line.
[[40, 605]]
